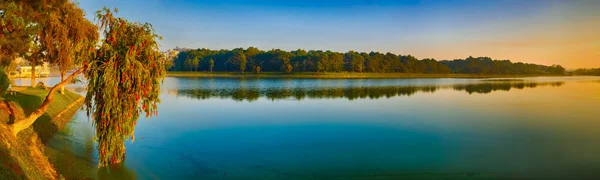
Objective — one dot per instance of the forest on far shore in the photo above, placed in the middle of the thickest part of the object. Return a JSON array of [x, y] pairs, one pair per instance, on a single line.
[[254, 60], [589, 72]]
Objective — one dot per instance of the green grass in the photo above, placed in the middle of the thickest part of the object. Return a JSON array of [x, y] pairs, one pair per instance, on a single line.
[[23, 157], [32, 98], [345, 75]]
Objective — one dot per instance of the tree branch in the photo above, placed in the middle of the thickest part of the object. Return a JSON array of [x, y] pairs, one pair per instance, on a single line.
[[20, 125]]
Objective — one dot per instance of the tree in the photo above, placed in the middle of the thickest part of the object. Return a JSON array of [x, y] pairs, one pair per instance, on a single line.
[[374, 62], [251, 54], [356, 61], [287, 65], [17, 29], [239, 58], [20, 26], [243, 63], [124, 76], [33, 13], [322, 62], [195, 63], [211, 64], [35, 56], [188, 64], [300, 59], [68, 37], [337, 62], [192, 63]]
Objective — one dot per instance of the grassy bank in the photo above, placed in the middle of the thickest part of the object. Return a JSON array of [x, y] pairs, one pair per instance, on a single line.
[[22, 157], [314, 75]]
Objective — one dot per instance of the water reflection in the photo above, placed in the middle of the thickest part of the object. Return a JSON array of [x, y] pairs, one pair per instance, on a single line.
[[485, 88], [449, 129], [362, 92]]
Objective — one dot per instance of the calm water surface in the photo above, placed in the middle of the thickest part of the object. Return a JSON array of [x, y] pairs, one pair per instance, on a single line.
[[528, 128]]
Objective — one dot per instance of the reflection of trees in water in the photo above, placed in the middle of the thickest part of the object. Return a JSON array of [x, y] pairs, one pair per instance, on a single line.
[[351, 93], [485, 88]]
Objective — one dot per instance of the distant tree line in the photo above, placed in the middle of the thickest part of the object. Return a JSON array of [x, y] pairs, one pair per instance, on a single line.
[[485, 65], [590, 72], [276, 60]]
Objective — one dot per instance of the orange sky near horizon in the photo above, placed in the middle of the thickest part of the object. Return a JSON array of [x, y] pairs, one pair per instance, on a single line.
[[564, 32], [561, 33]]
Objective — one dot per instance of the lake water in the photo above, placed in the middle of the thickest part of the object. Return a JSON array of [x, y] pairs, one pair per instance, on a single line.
[[523, 128]]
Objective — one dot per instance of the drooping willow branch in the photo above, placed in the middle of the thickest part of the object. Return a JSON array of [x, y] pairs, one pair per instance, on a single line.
[[123, 82], [123, 76]]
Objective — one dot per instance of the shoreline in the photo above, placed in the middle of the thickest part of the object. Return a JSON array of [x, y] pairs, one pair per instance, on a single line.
[[26, 155], [313, 75]]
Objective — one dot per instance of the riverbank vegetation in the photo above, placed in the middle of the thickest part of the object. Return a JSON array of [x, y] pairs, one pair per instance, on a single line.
[[277, 60], [123, 68], [23, 157]]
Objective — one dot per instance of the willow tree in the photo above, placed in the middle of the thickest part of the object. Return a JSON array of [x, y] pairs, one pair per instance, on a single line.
[[123, 75], [123, 82]]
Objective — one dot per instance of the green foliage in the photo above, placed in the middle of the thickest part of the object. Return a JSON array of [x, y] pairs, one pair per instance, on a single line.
[[287, 65], [322, 62], [485, 65], [68, 36], [211, 64], [4, 82], [277, 60], [356, 61], [17, 29], [337, 62], [589, 72], [238, 58], [123, 82], [192, 64]]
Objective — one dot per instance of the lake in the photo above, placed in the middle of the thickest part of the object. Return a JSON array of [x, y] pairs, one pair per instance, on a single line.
[[226, 128]]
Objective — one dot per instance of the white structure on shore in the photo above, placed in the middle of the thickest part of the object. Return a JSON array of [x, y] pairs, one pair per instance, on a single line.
[[26, 71]]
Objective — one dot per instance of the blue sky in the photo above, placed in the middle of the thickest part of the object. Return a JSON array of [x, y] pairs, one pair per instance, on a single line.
[[537, 31]]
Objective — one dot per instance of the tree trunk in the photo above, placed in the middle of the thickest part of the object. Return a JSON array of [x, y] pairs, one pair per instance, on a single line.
[[62, 78], [33, 72], [22, 124]]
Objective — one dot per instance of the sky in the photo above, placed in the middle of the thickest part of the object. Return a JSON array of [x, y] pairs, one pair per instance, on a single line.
[[565, 32]]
